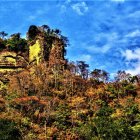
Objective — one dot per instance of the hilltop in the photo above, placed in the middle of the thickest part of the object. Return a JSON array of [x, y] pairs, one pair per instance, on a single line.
[[42, 45]]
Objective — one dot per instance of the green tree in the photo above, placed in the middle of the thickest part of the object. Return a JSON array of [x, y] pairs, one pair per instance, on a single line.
[[2, 44], [16, 43], [104, 124]]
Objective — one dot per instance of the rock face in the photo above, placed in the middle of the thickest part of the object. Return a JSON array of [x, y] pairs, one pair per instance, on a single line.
[[36, 52], [7, 58], [11, 61]]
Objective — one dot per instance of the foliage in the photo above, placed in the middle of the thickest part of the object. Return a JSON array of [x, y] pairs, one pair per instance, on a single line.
[[9, 130], [62, 118], [32, 32], [16, 44], [69, 103]]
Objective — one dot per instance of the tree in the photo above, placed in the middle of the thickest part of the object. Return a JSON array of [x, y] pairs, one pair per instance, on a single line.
[[3, 34], [122, 76], [64, 40], [45, 27], [99, 75], [9, 130], [57, 31], [72, 67], [104, 76], [16, 43], [134, 79], [33, 31], [95, 74], [13, 42], [62, 118], [2, 44], [16, 36], [83, 69]]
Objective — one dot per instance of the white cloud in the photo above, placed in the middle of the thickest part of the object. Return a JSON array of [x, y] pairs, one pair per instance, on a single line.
[[135, 70], [80, 8], [133, 55], [102, 49], [135, 33], [64, 6], [110, 38]]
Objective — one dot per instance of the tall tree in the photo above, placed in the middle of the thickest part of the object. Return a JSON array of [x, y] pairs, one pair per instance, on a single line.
[[83, 69]]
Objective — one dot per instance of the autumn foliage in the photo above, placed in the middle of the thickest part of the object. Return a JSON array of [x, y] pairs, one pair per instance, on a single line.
[[68, 102]]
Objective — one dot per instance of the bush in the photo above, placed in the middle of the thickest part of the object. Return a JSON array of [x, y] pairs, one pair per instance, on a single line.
[[9, 130]]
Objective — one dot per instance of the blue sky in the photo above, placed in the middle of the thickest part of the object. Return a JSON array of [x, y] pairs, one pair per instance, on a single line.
[[104, 33]]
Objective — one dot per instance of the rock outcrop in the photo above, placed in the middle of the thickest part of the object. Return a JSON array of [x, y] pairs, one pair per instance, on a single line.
[[53, 56], [11, 61]]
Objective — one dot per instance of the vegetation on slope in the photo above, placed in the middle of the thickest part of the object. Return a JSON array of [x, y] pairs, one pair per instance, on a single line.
[[69, 104], [63, 105]]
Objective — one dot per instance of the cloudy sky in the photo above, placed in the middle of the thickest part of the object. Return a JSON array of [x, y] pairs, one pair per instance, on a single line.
[[104, 33]]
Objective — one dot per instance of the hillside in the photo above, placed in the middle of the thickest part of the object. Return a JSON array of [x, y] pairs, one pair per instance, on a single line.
[[51, 98]]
